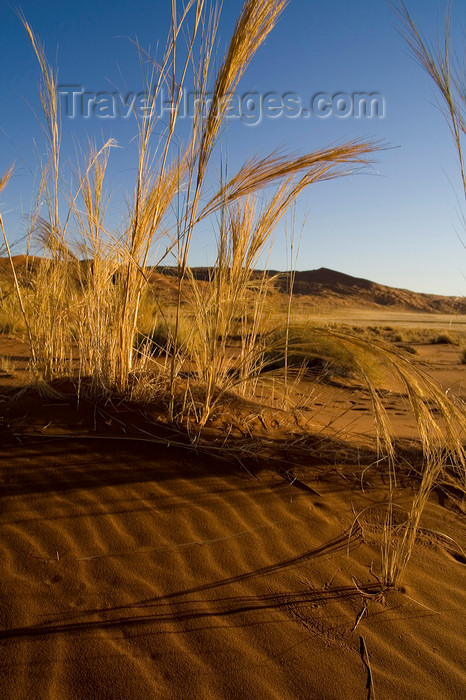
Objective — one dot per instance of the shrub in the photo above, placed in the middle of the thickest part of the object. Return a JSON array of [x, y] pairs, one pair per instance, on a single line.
[[443, 339], [309, 347]]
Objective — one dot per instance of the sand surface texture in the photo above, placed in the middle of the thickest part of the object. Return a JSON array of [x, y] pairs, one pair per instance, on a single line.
[[135, 569]]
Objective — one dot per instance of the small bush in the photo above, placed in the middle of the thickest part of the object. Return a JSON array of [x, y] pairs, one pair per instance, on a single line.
[[443, 339], [463, 357], [313, 350]]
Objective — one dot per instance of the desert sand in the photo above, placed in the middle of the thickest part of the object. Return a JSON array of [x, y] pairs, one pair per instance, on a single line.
[[138, 567]]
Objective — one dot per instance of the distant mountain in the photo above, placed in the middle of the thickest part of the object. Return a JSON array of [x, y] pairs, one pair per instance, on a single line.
[[331, 285], [325, 286]]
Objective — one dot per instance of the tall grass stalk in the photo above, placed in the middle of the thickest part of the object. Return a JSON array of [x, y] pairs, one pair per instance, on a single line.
[[447, 71], [256, 20], [290, 280]]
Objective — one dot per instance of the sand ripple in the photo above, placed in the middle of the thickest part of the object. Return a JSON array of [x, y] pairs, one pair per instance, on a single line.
[[151, 573]]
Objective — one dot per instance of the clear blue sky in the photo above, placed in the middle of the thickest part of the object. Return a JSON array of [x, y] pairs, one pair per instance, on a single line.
[[394, 224]]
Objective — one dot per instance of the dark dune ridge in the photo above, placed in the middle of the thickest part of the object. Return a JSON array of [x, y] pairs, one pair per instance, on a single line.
[[332, 287]]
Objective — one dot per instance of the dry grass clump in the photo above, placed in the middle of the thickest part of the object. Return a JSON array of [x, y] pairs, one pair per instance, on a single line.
[[96, 306], [444, 339], [310, 347]]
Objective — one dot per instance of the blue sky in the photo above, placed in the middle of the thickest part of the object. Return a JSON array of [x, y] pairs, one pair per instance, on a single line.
[[395, 223]]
